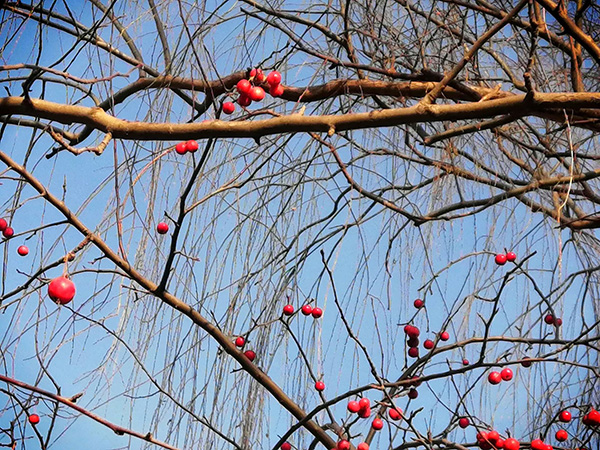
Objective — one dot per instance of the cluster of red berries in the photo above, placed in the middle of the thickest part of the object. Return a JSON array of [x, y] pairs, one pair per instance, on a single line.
[[307, 310], [551, 320], [538, 444], [7, 231], [240, 342], [496, 377], [251, 89], [492, 440], [185, 147], [502, 258], [363, 409], [592, 418]]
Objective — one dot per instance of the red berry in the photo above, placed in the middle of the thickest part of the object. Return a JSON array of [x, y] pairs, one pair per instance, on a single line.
[[525, 363], [594, 417], [8, 232], [191, 146], [565, 416], [243, 87], [181, 148], [558, 321], [465, 362], [257, 93], [419, 303], [274, 78], [286, 446], [317, 312], [413, 352], [428, 344], [364, 413], [412, 331], [463, 422], [413, 342], [395, 413], [244, 100], [240, 341], [511, 444], [3, 225], [288, 310], [258, 75], [250, 355], [377, 424], [364, 403], [343, 445], [499, 443], [562, 435], [320, 386], [413, 393], [538, 444], [162, 228], [500, 259], [494, 377], [276, 91], [493, 436], [362, 446], [353, 406], [228, 108], [481, 436], [61, 290], [444, 336], [34, 419], [23, 250], [510, 256], [549, 319], [506, 374], [416, 381], [307, 310]]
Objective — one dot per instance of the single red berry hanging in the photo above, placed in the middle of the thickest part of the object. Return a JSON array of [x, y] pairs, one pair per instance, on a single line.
[[493, 436], [162, 228], [23, 250], [250, 355], [500, 259], [494, 377], [428, 344], [510, 256], [320, 386], [413, 393], [240, 341], [317, 312], [288, 310], [307, 310], [274, 78], [191, 146], [413, 352], [364, 403], [61, 290], [511, 444], [525, 362], [244, 100], [395, 413], [8, 232], [257, 75], [418, 303], [377, 424], [558, 321], [286, 446], [362, 446], [3, 225], [364, 413], [444, 336], [565, 416], [562, 435], [463, 422], [181, 148], [506, 374], [228, 107], [412, 342], [549, 319], [34, 419], [465, 362]]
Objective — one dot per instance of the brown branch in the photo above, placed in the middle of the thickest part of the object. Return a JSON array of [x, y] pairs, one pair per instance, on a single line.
[[98, 150], [538, 104], [117, 429]]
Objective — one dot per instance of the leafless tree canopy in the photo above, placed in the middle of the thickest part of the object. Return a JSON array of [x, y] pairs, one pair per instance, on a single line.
[[413, 141]]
